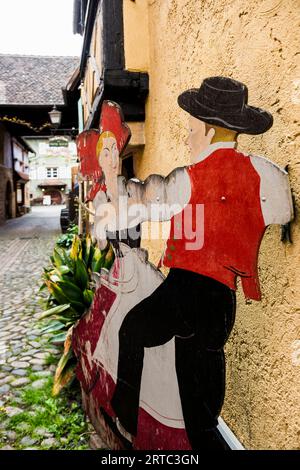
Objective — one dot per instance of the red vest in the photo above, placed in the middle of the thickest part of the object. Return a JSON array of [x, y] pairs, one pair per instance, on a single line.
[[228, 186]]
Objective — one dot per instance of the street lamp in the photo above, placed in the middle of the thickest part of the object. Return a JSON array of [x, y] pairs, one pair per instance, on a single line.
[[55, 116]]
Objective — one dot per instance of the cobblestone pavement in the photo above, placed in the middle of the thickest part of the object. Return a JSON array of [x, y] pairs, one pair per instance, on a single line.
[[25, 245]]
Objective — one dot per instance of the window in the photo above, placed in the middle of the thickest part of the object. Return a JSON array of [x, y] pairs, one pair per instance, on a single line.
[[52, 172]]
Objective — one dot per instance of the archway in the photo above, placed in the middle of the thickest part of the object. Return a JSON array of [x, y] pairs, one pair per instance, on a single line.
[[55, 194]]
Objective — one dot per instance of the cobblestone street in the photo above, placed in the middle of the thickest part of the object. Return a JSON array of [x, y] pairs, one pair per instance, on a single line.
[[26, 358]]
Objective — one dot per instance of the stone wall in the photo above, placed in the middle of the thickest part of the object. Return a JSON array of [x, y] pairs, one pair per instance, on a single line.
[[255, 42]]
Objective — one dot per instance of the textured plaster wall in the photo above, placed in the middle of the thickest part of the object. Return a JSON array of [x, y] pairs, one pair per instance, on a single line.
[[255, 42], [136, 37]]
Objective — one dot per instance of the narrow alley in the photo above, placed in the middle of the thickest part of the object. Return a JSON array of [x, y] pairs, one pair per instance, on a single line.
[[27, 360]]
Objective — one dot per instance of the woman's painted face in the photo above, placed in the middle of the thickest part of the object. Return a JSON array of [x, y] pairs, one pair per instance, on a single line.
[[109, 158]]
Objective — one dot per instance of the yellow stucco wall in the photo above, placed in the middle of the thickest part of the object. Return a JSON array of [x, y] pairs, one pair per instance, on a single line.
[[136, 37], [254, 41]]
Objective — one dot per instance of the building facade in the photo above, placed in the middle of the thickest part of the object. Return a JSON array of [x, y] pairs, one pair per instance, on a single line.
[[7, 193], [14, 175], [51, 171], [21, 174], [176, 44]]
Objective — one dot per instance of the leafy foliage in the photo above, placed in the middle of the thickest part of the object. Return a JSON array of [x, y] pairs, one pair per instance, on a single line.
[[66, 239], [71, 292]]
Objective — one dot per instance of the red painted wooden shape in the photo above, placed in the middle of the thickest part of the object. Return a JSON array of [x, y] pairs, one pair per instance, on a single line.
[[86, 151], [98, 386], [97, 383], [111, 120], [233, 222]]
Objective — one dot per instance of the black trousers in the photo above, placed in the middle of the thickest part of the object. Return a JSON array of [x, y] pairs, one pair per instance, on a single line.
[[199, 312]]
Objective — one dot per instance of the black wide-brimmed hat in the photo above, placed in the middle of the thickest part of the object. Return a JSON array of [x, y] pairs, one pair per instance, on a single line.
[[223, 102]]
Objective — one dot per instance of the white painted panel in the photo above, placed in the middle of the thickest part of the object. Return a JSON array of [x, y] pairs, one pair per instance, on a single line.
[[229, 437], [275, 193]]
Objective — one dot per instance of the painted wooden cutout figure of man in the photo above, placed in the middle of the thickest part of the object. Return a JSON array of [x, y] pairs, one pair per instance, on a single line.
[[238, 196]]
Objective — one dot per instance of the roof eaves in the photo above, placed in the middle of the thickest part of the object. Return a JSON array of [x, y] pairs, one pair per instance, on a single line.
[[24, 143], [32, 105]]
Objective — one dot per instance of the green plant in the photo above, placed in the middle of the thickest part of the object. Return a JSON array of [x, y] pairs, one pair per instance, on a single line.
[[51, 360], [71, 291], [61, 416], [66, 239]]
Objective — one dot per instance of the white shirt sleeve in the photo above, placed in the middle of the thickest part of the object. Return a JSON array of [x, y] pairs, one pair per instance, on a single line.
[[275, 192]]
